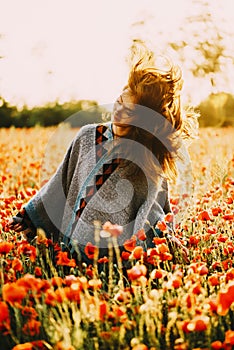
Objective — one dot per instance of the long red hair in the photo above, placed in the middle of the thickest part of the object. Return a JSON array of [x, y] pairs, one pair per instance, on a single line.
[[162, 124]]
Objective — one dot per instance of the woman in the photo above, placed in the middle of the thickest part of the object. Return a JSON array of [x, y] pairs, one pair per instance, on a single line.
[[116, 171]]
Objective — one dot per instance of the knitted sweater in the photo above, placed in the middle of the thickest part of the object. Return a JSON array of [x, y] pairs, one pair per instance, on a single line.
[[91, 184]]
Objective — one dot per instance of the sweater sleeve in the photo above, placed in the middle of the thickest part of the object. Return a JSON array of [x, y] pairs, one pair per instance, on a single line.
[[46, 208], [154, 209], [166, 201]]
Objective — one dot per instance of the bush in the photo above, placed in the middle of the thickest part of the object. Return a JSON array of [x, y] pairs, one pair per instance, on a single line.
[[217, 110], [82, 112]]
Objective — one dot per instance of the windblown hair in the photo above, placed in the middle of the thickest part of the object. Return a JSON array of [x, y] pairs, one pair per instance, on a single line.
[[162, 125]]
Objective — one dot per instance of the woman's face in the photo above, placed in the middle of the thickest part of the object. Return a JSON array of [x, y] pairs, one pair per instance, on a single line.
[[123, 113]]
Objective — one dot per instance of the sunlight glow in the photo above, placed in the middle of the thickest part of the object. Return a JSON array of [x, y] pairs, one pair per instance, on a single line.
[[59, 50]]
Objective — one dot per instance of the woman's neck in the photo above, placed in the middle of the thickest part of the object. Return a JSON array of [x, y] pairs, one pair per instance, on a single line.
[[120, 130]]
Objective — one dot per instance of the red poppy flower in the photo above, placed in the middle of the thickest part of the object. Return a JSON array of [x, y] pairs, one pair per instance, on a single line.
[[152, 252], [222, 238], [216, 211], [90, 250], [89, 271], [225, 300], [37, 271], [57, 247], [204, 216], [56, 281], [176, 282], [199, 324], [136, 272], [5, 247], [190, 300], [51, 298], [29, 312], [212, 230], [3, 178], [32, 327], [158, 240], [227, 264], [184, 326], [25, 346], [162, 248], [175, 209], [68, 280], [103, 260], [31, 283], [157, 274], [103, 310], [174, 201], [141, 235], [207, 251], [72, 293], [63, 260], [169, 217], [216, 345], [194, 240], [114, 229], [203, 270], [182, 346], [229, 337], [161, 225], [13, 293], [230, 275], [137, 252], [165, 256], [4, 313], [213, 306], [229, 200], [197, 289], [28, 250], [125, 255], [140, 347], [130, 244], [228, 216], [214, 280], [119, 310], [17, 265]]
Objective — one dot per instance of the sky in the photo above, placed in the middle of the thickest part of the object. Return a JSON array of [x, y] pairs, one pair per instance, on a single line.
[[76, 49]]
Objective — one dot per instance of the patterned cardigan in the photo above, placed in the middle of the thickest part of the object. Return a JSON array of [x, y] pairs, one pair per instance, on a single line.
[[90, 185]]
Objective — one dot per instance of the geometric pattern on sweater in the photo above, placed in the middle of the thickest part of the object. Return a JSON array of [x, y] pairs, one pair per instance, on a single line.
[[106, 170], [100, 139]]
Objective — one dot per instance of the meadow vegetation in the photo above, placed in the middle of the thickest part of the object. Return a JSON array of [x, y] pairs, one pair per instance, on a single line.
[[49, 302]]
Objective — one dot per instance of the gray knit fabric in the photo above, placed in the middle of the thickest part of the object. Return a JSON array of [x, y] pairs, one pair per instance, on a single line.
[[126, 198]]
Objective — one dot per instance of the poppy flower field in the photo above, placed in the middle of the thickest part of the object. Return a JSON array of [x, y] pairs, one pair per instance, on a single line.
[[159, 302]]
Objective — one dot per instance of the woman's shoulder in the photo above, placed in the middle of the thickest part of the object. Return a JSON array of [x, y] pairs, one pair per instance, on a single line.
[[86, 129], [91, 129]]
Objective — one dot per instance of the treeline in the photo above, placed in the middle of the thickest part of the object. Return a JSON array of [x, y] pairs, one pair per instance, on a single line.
[[216, 110], [77, 113]]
